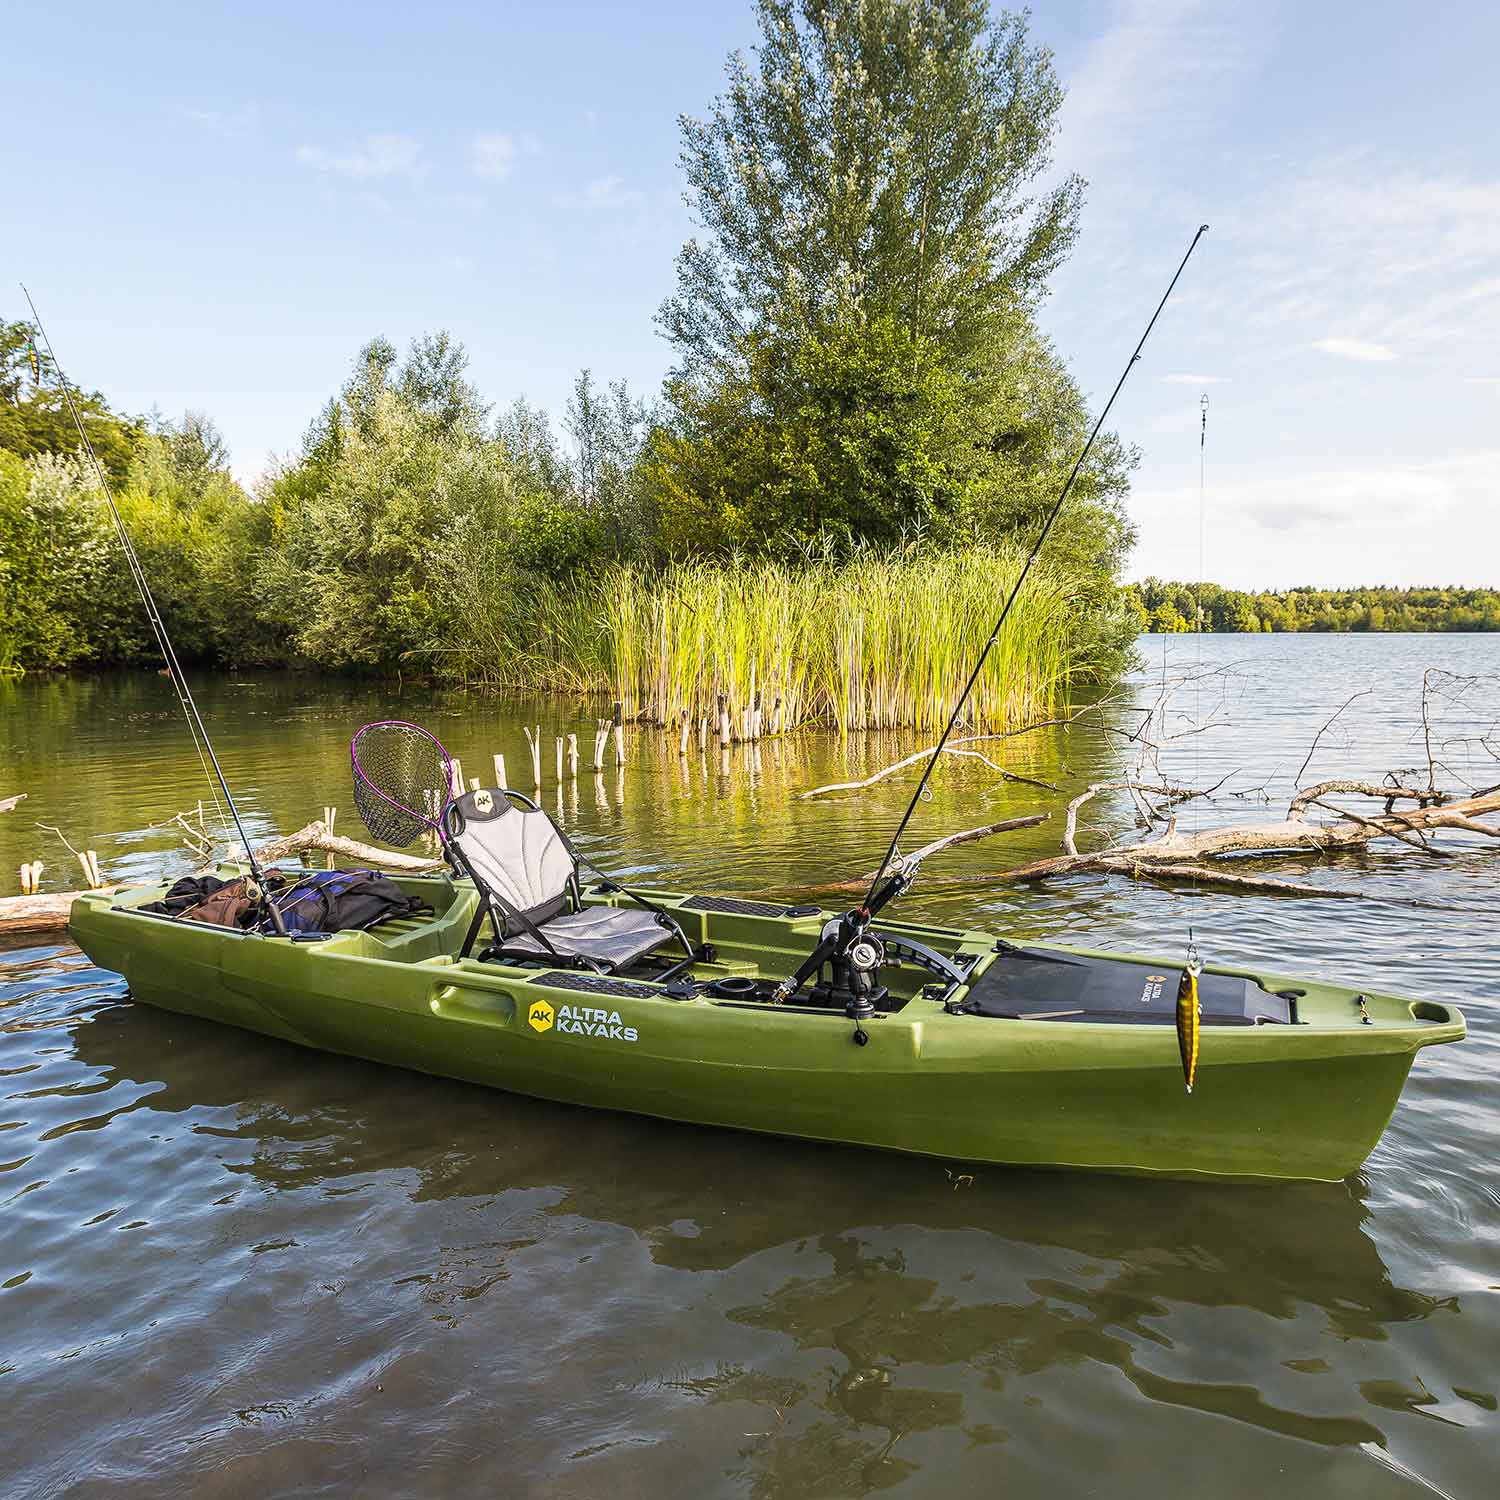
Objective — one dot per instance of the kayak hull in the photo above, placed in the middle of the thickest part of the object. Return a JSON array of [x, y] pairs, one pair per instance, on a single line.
[[1306, 1100]]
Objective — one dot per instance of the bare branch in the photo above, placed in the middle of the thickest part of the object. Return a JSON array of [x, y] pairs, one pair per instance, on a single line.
[[968, 836], [1313, 748]]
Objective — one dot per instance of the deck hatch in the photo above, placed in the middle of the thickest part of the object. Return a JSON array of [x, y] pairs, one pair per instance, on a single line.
[[1045, 985]]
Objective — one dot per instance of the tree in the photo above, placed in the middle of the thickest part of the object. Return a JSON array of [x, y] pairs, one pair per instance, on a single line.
[[856, 434], [34, 413], [609, 427], [878, 162]]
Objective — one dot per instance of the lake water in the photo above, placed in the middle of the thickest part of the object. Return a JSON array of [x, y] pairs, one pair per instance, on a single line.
[[229, 1266]]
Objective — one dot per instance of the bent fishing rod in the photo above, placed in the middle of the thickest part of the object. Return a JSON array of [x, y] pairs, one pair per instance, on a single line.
[[158, 626], [839, 937]]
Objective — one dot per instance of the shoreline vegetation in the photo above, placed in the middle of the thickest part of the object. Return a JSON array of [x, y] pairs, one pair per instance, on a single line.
[[825, 503], [1163, 608], [861, 432], [868, 642]]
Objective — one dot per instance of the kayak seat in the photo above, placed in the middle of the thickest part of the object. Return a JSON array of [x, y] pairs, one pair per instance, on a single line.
[[526, 873]]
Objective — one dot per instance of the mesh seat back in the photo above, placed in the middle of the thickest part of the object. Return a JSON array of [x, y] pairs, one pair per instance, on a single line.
[[518, 853]]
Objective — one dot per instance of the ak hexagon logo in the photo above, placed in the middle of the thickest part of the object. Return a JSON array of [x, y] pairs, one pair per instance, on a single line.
[[540, 1016]]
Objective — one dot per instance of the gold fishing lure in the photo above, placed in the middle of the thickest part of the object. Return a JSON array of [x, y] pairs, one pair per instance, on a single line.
[[1188, 1011]]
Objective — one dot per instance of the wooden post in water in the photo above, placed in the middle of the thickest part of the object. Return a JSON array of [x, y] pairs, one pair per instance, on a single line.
[[619, 729], [572, 757], [687, 729], [457, 788], [776, 716], [474, 783], [755, 719], [601, 738], [559, 765], [703, 734], [534, 740], [724, 733], [500, 773]]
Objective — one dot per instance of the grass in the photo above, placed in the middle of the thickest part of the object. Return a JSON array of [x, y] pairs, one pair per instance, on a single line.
[[875, 642]]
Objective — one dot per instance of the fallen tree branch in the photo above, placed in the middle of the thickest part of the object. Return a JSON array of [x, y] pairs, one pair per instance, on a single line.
[[315, 836], [1062, 721], [1389, 792], [8, 804], [20, 914], [967, 836]]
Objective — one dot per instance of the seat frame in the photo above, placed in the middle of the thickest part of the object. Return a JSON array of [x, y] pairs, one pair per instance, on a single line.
[[501, 913]]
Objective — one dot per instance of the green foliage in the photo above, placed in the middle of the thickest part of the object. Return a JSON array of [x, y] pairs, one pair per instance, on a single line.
[[857, 354], [859, 434], [1174, 607], [34, 414], [875, 161], [872, 640]]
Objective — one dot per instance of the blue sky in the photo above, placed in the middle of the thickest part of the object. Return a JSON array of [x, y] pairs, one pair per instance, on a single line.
[[215, 206]]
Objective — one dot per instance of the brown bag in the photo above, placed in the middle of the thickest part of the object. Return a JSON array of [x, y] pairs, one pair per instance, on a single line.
[[229, 906]]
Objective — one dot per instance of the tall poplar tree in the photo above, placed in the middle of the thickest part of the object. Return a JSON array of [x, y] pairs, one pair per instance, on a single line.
[[879, 159]]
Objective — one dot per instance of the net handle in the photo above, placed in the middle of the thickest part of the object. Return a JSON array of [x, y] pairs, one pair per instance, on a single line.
[[384, 796]]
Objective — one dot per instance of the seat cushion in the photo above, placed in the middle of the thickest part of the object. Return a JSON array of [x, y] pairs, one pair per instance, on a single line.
[[613, 935]]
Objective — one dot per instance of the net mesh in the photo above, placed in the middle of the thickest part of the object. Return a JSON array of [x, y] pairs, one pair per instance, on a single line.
[[402, 780]]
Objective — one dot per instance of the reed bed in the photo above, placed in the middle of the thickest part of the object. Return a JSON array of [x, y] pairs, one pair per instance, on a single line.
[[874, 642]]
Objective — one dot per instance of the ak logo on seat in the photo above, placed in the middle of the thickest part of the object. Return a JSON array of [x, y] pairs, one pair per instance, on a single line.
[[540, 1016]]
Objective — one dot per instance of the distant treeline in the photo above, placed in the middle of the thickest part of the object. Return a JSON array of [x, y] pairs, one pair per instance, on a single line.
[[1166, 608]]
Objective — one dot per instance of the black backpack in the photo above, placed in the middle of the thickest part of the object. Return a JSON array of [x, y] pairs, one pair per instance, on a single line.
[[341, 901]]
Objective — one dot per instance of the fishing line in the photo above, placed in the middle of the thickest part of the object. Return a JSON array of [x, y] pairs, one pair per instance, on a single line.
[[1198, 659], [158, 625], [1052, 515]]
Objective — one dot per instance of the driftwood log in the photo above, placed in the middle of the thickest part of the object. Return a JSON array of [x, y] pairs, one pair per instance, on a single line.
[[315, 837], [49, 913], [1173, 855]]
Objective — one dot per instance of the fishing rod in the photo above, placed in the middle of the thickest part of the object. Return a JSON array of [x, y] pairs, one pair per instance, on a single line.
[[839, 937], [158, 625]]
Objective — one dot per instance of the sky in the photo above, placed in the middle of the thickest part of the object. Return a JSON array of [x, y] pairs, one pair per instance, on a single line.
[[215, 206]]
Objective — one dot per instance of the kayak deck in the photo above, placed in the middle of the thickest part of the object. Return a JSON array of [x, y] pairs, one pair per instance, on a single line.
[[1043, 1054]]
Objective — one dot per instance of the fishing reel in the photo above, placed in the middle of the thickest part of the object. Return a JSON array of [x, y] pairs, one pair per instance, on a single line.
[[852, 955], [856, 975]]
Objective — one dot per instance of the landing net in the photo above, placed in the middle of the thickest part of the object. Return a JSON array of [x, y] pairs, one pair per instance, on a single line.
[[403, 780]]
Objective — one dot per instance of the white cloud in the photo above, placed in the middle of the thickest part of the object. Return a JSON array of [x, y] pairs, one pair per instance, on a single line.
[[602, 192], [375, 156], [492, 155], [1335, 527], [1401, 259], [1361, 349], [609, 192], [1194, 379], [235, 122], [1158, 62]]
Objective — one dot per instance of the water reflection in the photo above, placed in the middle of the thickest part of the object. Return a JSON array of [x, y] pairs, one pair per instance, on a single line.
[[230, 1265], [900, 1270]]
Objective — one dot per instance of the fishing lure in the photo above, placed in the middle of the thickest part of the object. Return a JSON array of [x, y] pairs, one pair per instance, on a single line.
[[1188, 1012]]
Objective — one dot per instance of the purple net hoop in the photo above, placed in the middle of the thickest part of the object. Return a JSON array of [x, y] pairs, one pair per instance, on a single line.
[[403, 780]]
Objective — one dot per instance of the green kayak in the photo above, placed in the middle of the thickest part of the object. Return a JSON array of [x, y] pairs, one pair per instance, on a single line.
[[973, 1049]]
